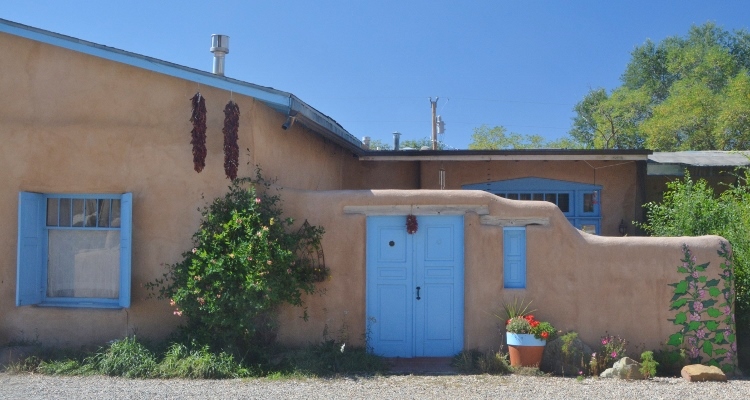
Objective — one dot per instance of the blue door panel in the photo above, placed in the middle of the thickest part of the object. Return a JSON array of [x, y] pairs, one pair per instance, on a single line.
[[391, 244], [439, 320], [405, 321], [438, 243], [393, 326]]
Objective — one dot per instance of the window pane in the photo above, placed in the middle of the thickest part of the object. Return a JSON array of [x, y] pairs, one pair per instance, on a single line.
[[537, 196], [91, 209], [83, 263], [588, 202], [115, 217], [589, 229], [78, 215], [525, 196], [103, 207], [52, 212], [65, 219], [513, 196], [563, 202], [551, 197]]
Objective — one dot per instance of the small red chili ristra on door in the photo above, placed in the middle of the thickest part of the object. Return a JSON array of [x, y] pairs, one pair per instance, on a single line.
[[411, 224]]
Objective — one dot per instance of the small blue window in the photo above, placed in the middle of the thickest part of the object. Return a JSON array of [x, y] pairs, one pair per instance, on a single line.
[[514, 257], [74, 250]]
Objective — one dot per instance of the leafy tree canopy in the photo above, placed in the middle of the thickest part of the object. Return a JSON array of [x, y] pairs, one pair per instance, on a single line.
[[684, 93], [416, 144], [497, 138]]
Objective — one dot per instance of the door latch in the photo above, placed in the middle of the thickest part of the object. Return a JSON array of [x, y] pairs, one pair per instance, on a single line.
[[418, 298]]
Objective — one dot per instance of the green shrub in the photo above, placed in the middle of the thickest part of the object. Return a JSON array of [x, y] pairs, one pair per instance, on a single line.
[[648, 364], [199, 363], [331, 357], [478, 362], [243, 265], [125, 357], [670, 361]]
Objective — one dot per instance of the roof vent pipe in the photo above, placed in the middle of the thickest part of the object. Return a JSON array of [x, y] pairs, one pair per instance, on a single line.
[[366, 143], [220, 48], [396, 136]]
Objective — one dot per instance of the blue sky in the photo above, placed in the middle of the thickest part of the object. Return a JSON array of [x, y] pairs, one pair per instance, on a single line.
[[372, 65]]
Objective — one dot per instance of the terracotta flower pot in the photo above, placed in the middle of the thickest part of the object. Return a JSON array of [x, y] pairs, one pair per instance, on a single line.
[[525, 350]]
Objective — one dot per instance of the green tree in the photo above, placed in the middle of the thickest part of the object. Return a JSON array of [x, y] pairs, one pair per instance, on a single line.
[[377, 144], [611, 121], [417, 144], [684, 93], [497, 138]]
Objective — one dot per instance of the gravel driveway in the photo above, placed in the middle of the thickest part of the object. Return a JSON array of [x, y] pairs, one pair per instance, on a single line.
[[29, 386]]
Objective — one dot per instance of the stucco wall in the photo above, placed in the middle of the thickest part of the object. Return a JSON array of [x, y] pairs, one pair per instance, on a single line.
[[383, 175], [581, 282], [73, 123], [621, 196]]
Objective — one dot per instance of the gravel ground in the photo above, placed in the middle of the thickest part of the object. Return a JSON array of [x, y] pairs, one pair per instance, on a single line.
[[31, 386]]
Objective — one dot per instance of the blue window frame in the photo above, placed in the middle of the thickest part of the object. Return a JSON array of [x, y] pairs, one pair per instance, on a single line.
[[74, 250], [514, 257], [579, 202]]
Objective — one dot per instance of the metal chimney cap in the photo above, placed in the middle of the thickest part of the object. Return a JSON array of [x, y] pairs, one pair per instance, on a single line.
[[219, 43], [220, 48]]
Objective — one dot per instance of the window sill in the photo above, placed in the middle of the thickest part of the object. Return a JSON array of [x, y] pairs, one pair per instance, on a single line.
[[65, 303]]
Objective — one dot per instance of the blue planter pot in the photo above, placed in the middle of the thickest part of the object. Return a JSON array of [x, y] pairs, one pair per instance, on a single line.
[[524, 339]]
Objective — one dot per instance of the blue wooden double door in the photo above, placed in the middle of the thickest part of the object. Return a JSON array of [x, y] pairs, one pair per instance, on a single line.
[[415, 286]]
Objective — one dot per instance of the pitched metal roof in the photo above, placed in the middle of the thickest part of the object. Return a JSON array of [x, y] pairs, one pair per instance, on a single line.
[[283, 102], [707, 158]]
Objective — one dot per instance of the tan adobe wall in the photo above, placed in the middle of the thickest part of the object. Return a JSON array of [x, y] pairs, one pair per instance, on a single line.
[[620, 199], [73, 123], [618, 179], [577, 281], [383, 175]]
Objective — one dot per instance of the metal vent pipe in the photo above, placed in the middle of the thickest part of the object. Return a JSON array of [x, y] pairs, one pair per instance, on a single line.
[[220, 48], [396, 137]]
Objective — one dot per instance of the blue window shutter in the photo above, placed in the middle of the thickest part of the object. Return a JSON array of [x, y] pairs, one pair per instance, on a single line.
[[514, 257], [31, 238], [126, 233]]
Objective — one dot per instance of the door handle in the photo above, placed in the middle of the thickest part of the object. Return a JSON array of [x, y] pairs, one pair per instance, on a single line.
[[418, 292]]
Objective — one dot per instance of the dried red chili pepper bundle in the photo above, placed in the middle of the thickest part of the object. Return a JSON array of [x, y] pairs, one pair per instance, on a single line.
[[411, 224], [198, 118], [231, 149]]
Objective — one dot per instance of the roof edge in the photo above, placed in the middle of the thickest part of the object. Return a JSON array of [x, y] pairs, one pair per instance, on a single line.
[[507, 155]]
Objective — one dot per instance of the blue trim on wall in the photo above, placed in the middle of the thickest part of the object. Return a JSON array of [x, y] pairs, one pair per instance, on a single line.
[[514, 257]]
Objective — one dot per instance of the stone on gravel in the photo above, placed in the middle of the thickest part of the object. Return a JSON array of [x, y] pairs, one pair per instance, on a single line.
[[624, 368], [555, 362], [702, 373]]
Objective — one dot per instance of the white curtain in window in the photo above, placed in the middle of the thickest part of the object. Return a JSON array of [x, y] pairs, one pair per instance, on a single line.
[[83, 263]]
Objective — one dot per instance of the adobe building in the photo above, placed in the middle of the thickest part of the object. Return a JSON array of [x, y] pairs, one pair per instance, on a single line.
[[100, 192]]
